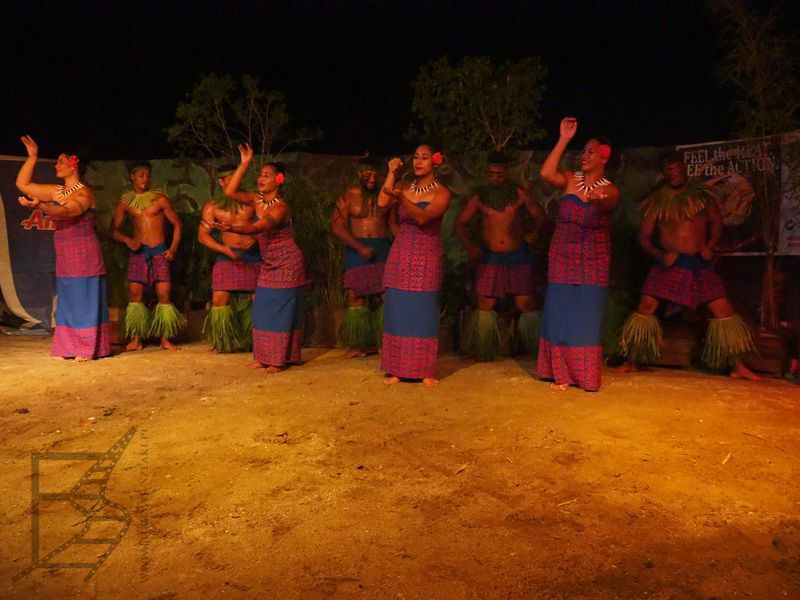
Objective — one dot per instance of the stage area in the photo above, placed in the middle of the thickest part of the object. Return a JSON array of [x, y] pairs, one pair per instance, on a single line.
[[321, 482]]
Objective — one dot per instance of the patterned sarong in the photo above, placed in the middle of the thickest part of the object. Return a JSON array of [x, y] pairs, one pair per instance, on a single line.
[[365, 277], [502, 273], [689, 282], [148, 266], [236, 276]]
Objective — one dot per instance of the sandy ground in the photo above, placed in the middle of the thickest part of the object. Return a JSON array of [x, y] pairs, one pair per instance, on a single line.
[[321, 482]]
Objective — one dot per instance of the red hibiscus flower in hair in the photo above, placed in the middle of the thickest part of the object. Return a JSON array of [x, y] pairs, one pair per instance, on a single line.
[[73, 161], [437, 158], [280, 178], [604, 150]]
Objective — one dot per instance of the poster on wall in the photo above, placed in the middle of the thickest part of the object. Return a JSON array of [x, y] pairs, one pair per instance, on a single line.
[[789, 222], [27, 259], [741, 172]]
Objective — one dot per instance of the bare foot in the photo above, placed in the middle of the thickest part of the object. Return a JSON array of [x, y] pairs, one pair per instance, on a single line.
[[83, 358], [256, 365], [355, 353], [739, 371], [430, 382], [391, 380], [561, 387], [628, 367], [213, 351], [272, 370], [167, 345], [135, 344]]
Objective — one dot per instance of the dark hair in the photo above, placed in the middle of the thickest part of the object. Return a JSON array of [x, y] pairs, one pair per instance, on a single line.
[[432, 144], [367, 162], [495, 157], [135, 165], [226, 167], [671, 156], [279, 167], [83, 162]]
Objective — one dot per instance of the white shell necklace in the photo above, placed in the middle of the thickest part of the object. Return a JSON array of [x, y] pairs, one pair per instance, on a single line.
[[425, 188], [264, 203], [65, 193], [580, 177]]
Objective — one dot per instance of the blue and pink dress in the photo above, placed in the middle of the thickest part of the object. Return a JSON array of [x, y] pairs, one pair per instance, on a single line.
[[413, 280], [570, 349], [82, 327], [278, 303]]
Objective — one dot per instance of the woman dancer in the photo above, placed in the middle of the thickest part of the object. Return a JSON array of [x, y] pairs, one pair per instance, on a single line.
[[570, 352], [278, 303], [81, 330], [414, 268]]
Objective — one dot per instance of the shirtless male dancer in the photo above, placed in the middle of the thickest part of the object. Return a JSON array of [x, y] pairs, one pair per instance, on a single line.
[[504, 265], [364, 228], [149, 261], [685, 216], [236, 266]]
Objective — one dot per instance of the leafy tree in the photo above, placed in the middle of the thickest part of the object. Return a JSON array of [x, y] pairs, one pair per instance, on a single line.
[[478, 105], [761, 67], [217, 115]]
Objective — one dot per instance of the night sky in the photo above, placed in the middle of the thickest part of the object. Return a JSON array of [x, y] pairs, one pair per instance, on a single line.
[[107, 75]]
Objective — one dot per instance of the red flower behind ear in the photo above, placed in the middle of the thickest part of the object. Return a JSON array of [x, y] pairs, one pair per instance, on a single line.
[[280, 178], [604, 151], [73, 161], [437, 158]]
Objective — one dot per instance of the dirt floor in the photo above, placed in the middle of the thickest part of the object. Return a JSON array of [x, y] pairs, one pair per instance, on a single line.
[[321, 482]]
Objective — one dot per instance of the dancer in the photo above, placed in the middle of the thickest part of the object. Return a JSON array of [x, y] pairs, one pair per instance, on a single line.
[[570, 352], [364, 228], [278, 304], [82, 329], [504, 265], [414, 270], [236, 265], [148, 264], [688, 223]]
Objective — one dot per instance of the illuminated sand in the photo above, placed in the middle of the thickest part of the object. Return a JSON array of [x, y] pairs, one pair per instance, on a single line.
[[322, 482]]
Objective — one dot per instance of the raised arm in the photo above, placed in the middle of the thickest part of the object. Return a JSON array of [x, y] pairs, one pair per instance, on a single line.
[[387, 196], [549, 171], [460, 227], [177, 226], [231, 189], [41, 191]]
